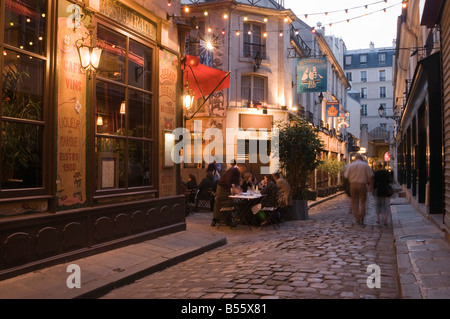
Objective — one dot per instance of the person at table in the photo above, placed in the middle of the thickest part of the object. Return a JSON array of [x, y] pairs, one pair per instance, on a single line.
[[191, 184], [284, 197], [270, 199], [248, 182], [205, 188], [230, 181]]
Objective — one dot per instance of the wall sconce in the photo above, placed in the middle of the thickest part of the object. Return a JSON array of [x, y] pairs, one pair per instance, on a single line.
[[99, 120], [89, 54], [122, 108], [396, 118], [320, 96], [188, 97], [258, 61]]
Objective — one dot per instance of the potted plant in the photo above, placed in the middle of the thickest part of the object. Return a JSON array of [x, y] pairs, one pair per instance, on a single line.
[[331, 167], [299, 151]]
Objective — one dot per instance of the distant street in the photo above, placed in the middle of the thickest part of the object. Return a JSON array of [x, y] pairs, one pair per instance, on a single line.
[[326, 256]]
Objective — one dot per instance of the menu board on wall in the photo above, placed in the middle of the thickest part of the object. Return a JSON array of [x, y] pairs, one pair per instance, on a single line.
[[71, 128], [168, 77]]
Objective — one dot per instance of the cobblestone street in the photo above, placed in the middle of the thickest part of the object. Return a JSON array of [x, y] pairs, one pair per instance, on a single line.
[[325, 256]]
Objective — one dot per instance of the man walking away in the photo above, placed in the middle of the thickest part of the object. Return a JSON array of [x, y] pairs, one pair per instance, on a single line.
[[360, 175]]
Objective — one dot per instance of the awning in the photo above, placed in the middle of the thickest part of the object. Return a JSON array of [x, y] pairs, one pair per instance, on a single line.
[[202, 79]]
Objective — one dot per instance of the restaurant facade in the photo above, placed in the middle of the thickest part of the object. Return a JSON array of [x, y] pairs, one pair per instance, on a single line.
[[82, 167]]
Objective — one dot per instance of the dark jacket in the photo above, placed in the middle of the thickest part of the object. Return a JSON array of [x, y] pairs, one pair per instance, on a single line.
[[381, 183], [204, 187], [271, 192]]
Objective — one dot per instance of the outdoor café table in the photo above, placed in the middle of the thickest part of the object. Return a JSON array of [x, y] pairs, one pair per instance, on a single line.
[[245, 201]]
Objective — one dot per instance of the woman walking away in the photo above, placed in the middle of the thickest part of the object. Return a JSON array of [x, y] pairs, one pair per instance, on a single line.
[[382, 192]]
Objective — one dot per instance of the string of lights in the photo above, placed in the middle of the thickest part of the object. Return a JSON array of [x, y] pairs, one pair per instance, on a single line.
[[364, 15], [345, 10], [313, 29]]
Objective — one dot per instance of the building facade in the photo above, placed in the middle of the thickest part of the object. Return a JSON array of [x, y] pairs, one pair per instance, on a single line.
[[82, 151], [261, 44], [420, 91], [370, 72]]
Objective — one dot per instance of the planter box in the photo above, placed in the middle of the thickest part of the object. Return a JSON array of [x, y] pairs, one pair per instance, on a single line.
[[311, 194], [321, 192], [298, 210]]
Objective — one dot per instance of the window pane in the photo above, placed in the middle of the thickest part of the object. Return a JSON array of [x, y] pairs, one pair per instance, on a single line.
[[112, 63], [25, 24], [258, 89], [21, 155], [140, 66], [246, 90], [110, 167], [138, 163], [139, 114], [22, 84], [109, 100]]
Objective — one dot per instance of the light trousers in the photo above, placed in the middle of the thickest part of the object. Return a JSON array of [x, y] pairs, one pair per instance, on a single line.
[[358, 193]]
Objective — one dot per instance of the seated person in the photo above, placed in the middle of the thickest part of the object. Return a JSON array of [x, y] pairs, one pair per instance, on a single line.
[[284, 196], [190, 185], [247, 182], [270, 199], [206, 186]]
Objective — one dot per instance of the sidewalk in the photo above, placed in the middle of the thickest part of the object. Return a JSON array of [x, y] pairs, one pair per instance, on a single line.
[[423, 259], [102, 272], [423, 253]]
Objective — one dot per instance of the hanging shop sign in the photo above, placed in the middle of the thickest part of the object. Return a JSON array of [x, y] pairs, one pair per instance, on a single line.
[[333, 109], [343, 119], [312, 75]]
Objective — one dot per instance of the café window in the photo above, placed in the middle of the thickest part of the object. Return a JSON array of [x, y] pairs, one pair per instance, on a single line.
[[24, 106], [124, 104]]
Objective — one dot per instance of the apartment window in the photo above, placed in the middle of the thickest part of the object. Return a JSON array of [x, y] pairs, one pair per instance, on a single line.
[[253, 90], [348, 60], [124, 102], [25, 109], [364, 93], [349, 76], [382, 75], [364, 109], [363, 76], [363, 59], [382, 91], [254, 42], [382, 58]]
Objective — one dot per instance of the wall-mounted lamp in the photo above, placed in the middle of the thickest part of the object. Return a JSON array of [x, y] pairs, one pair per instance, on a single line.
[[188, 97], [396, 118], [99, 120], [89, 54], [320, 96], [258, 60]]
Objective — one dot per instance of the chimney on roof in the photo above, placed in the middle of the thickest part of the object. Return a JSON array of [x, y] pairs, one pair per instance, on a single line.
[[372, 46]]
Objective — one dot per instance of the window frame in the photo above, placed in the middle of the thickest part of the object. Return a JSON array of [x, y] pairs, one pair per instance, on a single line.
[[380, 77], [251, 43], [382, 92], [361, 60], [363, 79], [46, 124], [251, 102], [154, 114]]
